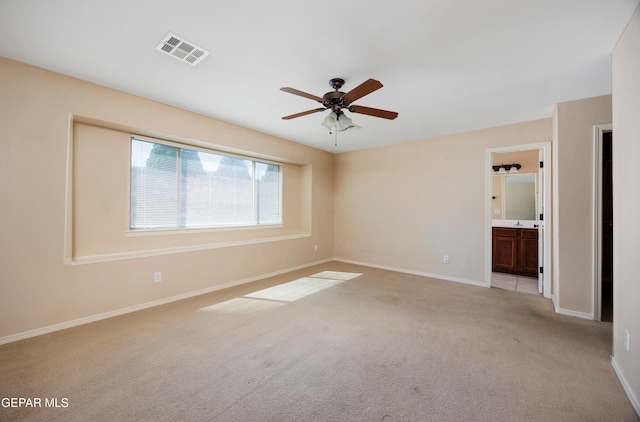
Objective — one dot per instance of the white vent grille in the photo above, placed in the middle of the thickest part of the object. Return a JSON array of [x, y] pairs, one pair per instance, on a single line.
[[181, 49]]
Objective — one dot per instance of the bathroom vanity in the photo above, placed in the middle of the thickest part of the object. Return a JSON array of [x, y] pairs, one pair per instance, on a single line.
[[515, 250]]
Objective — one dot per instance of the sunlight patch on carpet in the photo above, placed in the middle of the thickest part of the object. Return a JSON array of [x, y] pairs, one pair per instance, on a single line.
[[294, 290], [276, 296], [336, 275], [244, 305]]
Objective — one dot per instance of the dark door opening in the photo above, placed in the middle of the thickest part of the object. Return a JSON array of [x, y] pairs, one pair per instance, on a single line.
[[606, 306]]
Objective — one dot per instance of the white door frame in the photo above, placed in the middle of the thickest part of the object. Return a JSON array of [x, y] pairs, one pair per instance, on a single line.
[[599, 131], [542, 207], [545, 147]]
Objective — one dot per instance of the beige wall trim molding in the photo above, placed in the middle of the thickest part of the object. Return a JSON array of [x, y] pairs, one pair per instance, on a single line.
[[95, 259], [420, 273], [142, 306], [635, 401], [569, 312]]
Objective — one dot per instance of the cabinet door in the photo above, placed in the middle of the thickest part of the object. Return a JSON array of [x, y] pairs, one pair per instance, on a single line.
[[527, 261], [504, 253]]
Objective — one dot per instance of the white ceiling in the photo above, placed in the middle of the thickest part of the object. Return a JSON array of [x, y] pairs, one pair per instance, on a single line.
[[447, 66]]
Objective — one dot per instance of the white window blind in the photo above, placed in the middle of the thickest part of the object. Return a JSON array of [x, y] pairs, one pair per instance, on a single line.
[[173, 187]]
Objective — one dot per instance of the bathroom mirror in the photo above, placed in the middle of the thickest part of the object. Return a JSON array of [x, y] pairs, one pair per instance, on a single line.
[[519, 194]]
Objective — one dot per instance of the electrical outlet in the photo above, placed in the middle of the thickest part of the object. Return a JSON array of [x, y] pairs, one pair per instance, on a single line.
[[626, 340], [315, 248], [157, 276], [445, 259]]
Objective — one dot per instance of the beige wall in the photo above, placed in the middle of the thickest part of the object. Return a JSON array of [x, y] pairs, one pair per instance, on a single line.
[[59, 210], [626, 203], [407, 205], [573, 202]]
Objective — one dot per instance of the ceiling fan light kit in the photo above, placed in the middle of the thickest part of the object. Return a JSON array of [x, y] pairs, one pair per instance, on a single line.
[[338, 121], [338, 101]]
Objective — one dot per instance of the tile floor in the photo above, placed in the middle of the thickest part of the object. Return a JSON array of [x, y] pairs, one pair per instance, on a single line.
[[514, 283]]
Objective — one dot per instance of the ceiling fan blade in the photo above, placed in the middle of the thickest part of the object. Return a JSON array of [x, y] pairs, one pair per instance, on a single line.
[[385, 114], [365, 88], [304, 113], [302, 94]]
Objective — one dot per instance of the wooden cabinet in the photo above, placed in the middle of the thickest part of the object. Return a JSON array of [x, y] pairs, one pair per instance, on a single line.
[[515, 251]]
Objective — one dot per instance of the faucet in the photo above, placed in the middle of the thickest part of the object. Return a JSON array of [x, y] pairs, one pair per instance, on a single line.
[[518, 223]]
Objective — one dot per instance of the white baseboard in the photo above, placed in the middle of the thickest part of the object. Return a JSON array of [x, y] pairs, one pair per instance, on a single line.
[[635, 401], [420, 273], [568, 312], [93, 318]]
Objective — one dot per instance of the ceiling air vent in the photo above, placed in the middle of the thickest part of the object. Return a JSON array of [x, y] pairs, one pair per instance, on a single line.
[[182, 49]]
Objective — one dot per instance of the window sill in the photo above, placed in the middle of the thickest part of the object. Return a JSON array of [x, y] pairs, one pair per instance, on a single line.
[[95, 259]]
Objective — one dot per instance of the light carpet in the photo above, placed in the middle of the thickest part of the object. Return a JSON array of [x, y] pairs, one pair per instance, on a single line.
[[334, 342]]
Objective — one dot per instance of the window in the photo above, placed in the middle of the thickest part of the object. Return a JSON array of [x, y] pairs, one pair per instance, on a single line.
[[173, 187]]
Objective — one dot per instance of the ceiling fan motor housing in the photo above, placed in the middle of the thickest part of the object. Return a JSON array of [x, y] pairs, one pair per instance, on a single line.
[[333, 99]]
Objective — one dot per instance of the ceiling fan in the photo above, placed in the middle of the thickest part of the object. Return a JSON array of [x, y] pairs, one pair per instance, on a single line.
[[338, 101]]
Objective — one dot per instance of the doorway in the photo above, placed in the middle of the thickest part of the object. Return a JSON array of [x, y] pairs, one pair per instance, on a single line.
[[542, 220], [604, 223]]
